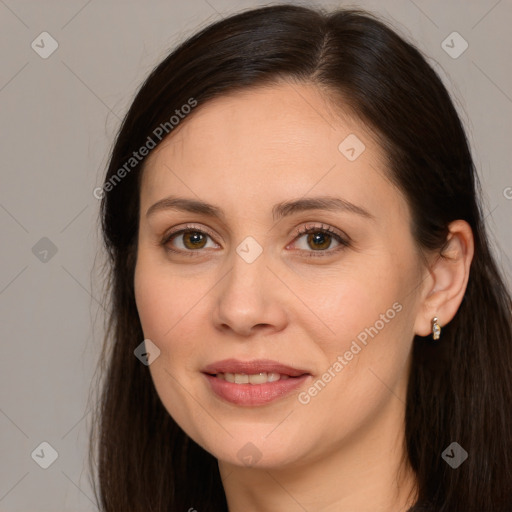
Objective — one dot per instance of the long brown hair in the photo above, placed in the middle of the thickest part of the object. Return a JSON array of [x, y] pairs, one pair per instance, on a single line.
[[460, 389]]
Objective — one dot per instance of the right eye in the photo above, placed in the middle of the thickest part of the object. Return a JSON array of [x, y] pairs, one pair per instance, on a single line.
[[188, 240]]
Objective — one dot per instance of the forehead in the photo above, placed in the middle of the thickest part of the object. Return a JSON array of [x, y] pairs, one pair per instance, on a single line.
[[274, 141], [282, 118]]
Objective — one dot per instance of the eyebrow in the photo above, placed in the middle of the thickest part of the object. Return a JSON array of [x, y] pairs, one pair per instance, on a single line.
[[279, 210]]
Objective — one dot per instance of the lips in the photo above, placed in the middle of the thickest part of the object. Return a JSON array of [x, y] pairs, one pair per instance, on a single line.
[[253, 383], [255, 366]]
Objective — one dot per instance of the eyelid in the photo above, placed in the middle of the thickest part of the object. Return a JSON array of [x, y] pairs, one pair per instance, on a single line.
[[314, 227]]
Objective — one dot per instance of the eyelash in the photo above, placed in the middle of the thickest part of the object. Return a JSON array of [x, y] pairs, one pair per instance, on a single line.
[[303, 230]]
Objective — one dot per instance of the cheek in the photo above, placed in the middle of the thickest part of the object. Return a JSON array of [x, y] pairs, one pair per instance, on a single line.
[[163, 316], [169, 309], [161, 301], [356, 302], [365, 367], [153, 303], [370, 312]]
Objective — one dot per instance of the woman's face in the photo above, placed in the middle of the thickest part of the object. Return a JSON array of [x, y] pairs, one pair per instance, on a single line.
[[270, 275]]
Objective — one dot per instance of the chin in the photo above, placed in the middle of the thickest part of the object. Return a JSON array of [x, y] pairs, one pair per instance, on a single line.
[[258, 451]]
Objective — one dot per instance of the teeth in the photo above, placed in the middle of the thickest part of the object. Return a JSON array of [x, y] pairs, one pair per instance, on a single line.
[[257, 378], [230, 377], [240, 378], [273, 377]]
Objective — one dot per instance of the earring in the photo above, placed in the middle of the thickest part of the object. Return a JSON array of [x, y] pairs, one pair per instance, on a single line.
[[436, 329]]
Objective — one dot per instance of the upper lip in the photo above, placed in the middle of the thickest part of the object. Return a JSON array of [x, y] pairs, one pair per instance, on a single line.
[[252, 367]]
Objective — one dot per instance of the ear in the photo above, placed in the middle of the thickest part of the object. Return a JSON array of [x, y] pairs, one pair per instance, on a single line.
[[444, 288]]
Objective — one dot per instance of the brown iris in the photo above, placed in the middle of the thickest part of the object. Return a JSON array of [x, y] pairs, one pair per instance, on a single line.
[[194, 239], [321, 240]]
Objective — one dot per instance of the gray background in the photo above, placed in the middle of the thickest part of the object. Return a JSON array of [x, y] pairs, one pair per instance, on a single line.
[[59, 116]]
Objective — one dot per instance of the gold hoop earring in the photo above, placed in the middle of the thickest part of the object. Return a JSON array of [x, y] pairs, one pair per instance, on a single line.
[[436, 329]]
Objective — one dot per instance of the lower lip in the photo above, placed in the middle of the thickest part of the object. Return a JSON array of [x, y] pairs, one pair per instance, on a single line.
[[254, 394]]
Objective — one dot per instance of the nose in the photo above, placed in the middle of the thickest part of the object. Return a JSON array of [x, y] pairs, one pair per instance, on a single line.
[[249, 300]]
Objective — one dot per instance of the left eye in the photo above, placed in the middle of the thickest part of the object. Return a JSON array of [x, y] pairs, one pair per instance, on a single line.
[[315, 239]]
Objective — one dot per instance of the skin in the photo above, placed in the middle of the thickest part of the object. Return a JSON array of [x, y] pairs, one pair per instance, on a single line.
[[244, 153]]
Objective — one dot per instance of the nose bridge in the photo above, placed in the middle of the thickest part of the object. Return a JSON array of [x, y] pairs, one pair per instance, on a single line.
[[246, 297], [248, 262], [245, 283]]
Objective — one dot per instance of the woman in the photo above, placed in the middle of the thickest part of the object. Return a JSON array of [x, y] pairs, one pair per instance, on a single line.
[[305, 311]]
